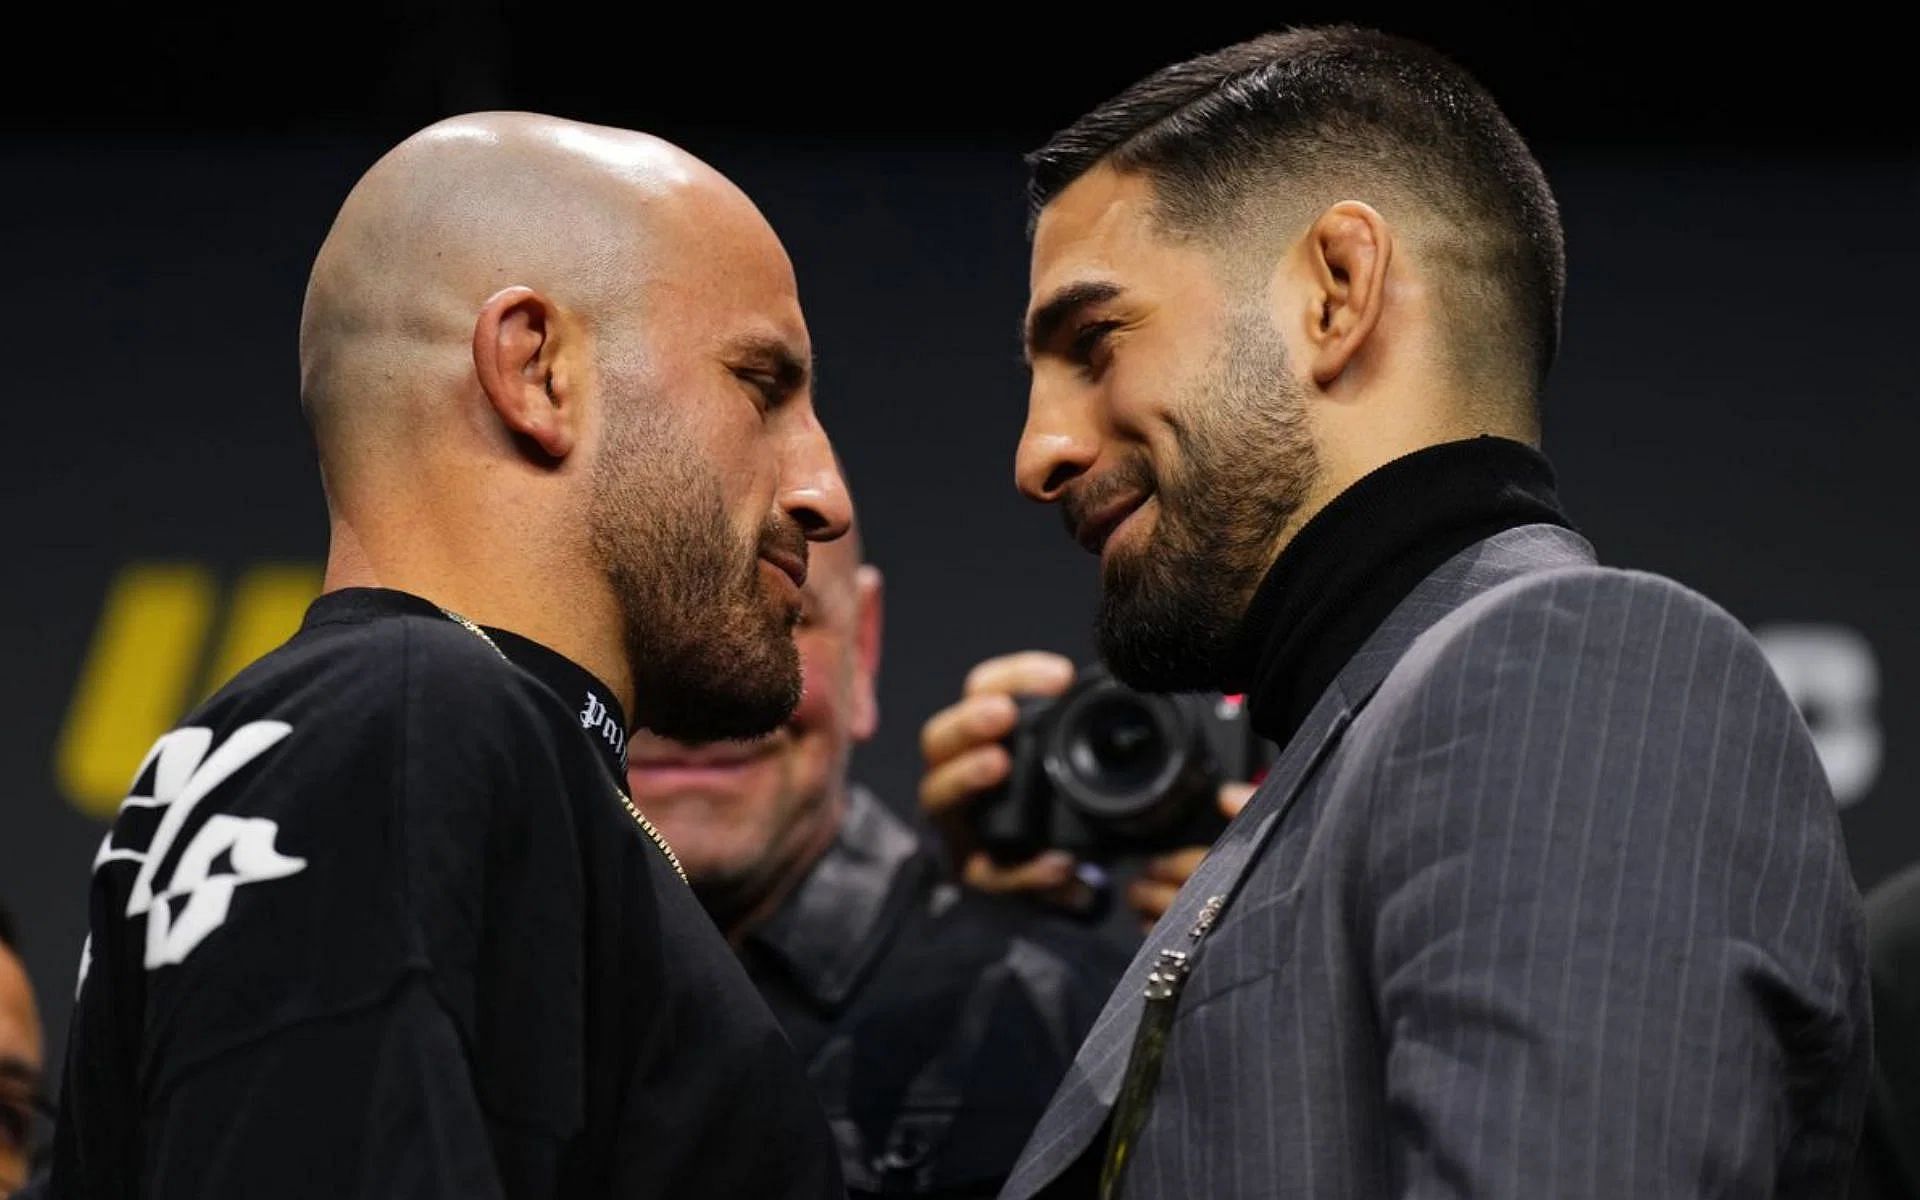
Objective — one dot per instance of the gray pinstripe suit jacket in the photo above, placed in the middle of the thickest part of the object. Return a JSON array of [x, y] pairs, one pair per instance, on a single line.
[[1546, 898]]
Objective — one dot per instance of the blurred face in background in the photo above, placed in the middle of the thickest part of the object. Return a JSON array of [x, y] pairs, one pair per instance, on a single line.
[[20, 1070], [749, 818]]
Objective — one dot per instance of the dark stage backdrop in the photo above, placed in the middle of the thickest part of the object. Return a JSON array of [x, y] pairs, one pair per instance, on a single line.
[[1735, 407]]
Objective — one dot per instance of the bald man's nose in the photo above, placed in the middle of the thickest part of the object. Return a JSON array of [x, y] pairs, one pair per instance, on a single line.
[[812, 490], [1059, 444]]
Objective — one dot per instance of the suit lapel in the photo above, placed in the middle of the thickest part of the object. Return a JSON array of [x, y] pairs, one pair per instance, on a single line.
[[1080, 1106]]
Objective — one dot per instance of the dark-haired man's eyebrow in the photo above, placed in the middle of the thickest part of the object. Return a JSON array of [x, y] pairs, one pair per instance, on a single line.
[[1044, 325]]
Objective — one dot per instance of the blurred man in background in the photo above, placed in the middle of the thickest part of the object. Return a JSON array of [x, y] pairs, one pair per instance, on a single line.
[[22, 1101], [935, 1022]]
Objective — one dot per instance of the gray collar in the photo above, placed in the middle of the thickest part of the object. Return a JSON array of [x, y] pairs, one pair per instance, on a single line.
[[831, 928]]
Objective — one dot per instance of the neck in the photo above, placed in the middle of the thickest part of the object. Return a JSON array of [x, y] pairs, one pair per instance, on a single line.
[[752, 907], [469, 569], [1362, 553], [1353, 442]]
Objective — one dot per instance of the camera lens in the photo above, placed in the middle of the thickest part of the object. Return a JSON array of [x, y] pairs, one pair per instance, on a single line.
[[1118, 771], [1114, 752], [1117, 746]]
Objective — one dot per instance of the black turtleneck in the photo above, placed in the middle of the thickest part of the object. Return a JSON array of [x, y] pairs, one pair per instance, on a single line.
[[1361, 555]]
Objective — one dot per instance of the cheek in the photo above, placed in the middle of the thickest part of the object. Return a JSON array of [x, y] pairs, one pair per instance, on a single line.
[[820, 653], [733, 446], [1145, 388], [816, 684], [1130, 399]]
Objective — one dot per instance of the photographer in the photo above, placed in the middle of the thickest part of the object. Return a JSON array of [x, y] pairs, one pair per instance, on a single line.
[[934, 1021]]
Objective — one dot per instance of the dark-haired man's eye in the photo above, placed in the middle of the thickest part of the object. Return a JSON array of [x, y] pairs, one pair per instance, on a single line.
[[1090, 340]]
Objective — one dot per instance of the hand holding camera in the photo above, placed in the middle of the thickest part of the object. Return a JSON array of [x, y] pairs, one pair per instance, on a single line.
[[1040, 767]]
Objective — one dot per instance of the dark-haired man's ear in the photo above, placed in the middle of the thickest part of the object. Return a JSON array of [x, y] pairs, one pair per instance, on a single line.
[[517, 344], [1346, 253]]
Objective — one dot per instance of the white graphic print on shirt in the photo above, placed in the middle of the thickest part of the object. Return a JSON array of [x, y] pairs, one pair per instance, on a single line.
[[225, 853]]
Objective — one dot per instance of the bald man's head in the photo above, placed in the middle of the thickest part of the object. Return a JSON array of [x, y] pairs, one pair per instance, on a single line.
[[581, 213], [586, 344]]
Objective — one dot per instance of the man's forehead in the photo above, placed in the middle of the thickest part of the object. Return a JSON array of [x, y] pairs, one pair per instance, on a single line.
[[722, 253], [762, 307], [1098, 223]]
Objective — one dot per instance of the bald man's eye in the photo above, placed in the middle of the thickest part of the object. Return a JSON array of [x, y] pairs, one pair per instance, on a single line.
[[767, 392]]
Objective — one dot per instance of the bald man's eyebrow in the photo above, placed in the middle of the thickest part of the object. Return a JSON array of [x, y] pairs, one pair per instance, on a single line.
[[1060, 308], [19, 1070], [773, 357]]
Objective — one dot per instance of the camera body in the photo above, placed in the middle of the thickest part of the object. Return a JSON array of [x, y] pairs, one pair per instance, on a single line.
[[1104, 771]]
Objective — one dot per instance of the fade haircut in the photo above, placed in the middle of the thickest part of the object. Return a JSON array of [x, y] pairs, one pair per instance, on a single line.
[[1231, 139]]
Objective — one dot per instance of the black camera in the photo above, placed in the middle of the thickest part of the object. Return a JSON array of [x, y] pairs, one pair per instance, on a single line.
[[1104, 771]]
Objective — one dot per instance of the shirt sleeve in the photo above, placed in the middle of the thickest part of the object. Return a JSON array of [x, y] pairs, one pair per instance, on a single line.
[[374, 1103], [357, 973]]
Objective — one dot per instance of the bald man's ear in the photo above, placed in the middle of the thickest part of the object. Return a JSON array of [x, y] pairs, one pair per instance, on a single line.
[[869, 594], [516, 354], [1344, 257]]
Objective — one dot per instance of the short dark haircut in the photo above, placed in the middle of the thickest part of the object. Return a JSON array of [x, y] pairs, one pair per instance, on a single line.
[[1339, 100], [6, 930]]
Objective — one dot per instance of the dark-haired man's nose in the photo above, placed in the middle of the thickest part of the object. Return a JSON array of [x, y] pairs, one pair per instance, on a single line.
[[1059, 444]]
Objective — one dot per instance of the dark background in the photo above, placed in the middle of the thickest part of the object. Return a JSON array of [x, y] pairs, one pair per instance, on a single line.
[[1735, 405]]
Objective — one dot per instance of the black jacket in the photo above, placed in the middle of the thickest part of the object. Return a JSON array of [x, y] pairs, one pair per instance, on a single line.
[[1888, 1167], [935, 1021], [374, 923]]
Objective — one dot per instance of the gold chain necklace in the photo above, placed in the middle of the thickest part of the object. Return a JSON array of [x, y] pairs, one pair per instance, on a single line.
[[647, 827]]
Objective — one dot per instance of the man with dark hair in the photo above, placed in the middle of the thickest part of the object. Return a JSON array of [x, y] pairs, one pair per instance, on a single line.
[[21, 1065], [378, 919], [1545, 894], [934, 1021]]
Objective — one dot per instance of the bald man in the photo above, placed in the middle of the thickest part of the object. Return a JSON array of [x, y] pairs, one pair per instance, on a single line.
[[379, 919]]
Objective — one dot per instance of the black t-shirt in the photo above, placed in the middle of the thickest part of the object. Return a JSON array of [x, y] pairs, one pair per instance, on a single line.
[[374, 922]]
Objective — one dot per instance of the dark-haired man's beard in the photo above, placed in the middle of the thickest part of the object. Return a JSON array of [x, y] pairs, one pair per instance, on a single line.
[[1170, 607], [711, 649]]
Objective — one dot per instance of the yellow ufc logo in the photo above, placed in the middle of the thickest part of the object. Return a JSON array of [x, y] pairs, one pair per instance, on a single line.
[[154, 655]]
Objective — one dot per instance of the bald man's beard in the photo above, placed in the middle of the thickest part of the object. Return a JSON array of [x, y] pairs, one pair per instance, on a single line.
[[711, 651], [1170, 609]]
